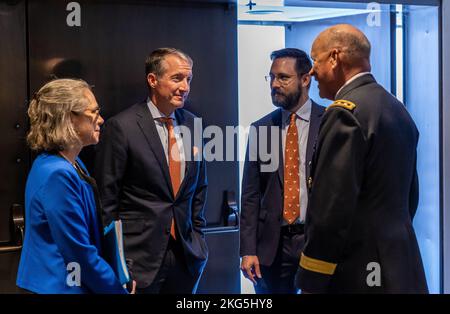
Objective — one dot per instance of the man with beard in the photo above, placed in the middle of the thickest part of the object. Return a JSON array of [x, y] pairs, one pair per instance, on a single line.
[[274, 201]]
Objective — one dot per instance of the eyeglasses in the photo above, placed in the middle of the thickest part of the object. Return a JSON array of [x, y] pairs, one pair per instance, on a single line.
[[282, 79], [90, 112]]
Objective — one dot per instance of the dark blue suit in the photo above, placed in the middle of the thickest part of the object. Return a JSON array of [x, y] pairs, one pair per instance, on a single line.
[[134, 182], [262, 193]]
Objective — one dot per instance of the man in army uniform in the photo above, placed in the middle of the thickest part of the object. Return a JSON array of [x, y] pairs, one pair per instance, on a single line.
[[363, 184]]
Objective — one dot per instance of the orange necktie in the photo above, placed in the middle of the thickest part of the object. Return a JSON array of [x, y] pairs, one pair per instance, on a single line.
[[174, 163], [291, 210]]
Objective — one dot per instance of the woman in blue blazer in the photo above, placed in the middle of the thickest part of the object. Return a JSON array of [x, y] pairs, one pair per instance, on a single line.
[[62, 246]]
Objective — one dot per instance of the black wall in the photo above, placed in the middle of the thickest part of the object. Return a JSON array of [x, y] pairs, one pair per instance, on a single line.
[[14, 161]]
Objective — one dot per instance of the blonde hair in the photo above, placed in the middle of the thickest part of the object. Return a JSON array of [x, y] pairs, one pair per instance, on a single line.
[[51, 127]]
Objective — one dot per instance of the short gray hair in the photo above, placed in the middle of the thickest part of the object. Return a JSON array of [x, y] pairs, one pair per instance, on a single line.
[[153, 64], [51, 127]]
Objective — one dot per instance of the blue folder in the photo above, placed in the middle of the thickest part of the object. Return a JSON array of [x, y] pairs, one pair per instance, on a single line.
[[113, 251]]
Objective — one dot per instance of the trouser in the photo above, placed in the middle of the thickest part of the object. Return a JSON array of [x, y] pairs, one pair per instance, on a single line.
[[280, 276], [173, 276]]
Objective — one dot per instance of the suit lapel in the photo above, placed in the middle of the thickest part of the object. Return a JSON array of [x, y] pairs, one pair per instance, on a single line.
[[147, 125], [316, 116], [314, 124], [277, 121]]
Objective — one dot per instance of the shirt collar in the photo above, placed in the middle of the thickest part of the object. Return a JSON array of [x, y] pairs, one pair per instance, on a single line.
[[304, 112], [351, 80], [156, 114]]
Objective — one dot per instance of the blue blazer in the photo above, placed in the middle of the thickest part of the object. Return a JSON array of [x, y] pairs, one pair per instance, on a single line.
[[62, 228], [262, 192]]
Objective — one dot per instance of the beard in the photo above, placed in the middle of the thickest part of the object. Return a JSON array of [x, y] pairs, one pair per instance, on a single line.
[[286, 101]]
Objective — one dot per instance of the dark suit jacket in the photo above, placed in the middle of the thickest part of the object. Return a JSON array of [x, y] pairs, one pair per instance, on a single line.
[[134, 182], [363, 198], [262, 192]]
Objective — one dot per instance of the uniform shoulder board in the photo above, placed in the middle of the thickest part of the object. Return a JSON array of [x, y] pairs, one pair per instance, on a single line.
[[343, 104]]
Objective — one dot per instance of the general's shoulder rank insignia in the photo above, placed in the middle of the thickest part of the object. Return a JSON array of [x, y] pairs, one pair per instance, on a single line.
[[343, 104]]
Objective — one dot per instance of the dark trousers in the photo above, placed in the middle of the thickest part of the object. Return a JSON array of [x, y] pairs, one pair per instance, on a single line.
[[173, 276], [279, 277]]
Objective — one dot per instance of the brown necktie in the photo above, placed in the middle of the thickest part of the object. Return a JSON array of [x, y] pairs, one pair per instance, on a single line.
[[174, 163], [291, 210]]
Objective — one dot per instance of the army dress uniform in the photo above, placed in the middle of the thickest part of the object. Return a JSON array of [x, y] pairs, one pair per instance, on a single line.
[[363, 197]]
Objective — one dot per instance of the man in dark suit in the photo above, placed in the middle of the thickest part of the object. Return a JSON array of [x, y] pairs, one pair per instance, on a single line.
[[153, 178], [363, 185], [274, 197]]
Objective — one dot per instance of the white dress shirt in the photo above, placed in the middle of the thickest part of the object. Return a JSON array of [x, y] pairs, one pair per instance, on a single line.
[[164, 134], [302, 122], [351, 80]]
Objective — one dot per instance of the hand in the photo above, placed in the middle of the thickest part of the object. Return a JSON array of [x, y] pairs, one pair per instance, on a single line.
[[133, 289], [250, 268], [130, 286]]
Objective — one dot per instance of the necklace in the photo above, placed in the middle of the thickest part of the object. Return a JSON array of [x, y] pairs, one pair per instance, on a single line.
[[65, 157], [81, 172]]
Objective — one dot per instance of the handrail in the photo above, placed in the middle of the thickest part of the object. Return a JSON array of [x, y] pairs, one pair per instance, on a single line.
[[18, 223]]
